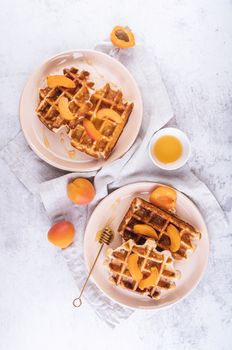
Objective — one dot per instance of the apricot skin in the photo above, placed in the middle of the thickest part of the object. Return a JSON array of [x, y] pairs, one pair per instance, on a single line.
[[164, 197], [134, 268], [118, 40], [64, 109], [60, 80], [145, 230], [61, 234], [80, 191], [110, 113], [150, 280], [174, 236], [93, 133]]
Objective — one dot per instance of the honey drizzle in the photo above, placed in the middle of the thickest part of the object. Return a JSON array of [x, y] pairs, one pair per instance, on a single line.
[[45, 139], [116, 203], [71, 153], [62, 138]]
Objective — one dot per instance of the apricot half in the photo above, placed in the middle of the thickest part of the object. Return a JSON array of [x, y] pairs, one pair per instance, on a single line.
[[109, 113], [122, 37], [151, 280], [134, 268], [61, 234], [60, 80], [164, 197], [64, 109], [80, 191], [93, 133], [174, 236], [145, 230]]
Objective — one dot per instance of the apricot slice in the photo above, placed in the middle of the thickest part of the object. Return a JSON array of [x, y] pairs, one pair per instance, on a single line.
[[80, 191], [64, 109], [174, 236], [151, 280], [134, 268], [109, 113], [60, 80], [61, 234], [164, 197], [122, 37], [145, 230], [93, 133]]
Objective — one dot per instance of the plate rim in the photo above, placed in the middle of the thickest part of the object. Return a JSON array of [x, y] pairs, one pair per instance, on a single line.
[[202, 273], [73, 166]]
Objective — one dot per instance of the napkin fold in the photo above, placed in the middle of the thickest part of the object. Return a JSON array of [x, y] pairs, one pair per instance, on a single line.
[[135, 166]]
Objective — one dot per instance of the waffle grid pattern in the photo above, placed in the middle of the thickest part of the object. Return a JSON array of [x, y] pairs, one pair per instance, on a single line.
[[85, 103], [110, 130], [143, 212], [47, 109], [149, 257]]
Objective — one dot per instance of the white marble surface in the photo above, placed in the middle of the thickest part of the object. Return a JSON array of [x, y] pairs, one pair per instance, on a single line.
[[193, 46]]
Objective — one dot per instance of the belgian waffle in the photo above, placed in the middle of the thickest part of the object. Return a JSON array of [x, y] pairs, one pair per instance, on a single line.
[[143, 212], [110, 130], [149, 257], [47, 109]]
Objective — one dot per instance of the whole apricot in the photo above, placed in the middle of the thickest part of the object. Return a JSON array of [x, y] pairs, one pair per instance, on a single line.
[[164, 197], [61, 234], [80, 191]]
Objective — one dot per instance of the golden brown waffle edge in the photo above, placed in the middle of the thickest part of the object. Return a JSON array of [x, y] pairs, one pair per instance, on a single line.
[[47, 109], [85, 102], [110, 130], [143, 212], [117, 264]]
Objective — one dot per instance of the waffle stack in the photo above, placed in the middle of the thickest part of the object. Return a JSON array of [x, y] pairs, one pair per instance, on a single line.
[[143, 212], [85, 102], [148, 258]]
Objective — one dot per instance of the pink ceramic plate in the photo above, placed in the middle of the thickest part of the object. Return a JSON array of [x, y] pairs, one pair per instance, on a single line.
[[117, 204], [54, 148]]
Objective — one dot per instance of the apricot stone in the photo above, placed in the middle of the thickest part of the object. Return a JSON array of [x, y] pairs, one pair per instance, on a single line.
[[122, 37], [109, 113]]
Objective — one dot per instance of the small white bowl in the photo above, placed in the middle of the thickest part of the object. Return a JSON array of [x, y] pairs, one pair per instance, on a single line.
[[185, 144]]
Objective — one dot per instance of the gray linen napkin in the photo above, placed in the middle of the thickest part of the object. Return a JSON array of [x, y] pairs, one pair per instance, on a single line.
[[134, 166]]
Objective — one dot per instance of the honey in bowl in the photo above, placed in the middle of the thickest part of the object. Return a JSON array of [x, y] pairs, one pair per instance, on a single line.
[[167, 149]]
